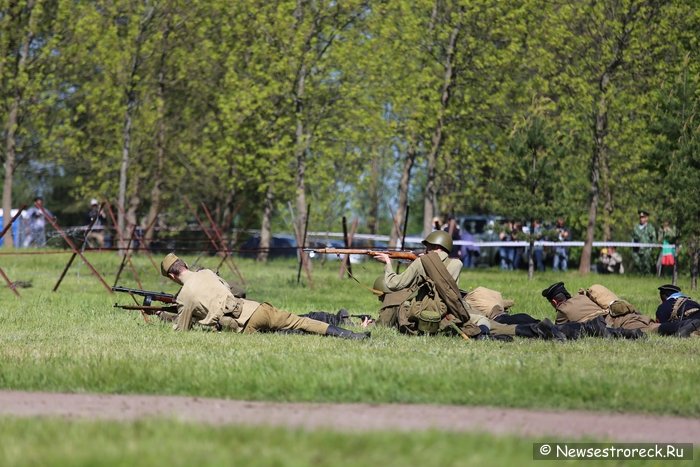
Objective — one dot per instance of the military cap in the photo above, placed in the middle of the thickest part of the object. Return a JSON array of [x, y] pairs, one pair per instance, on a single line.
[[669, 289], [554, 290], [167, 262], [439, 238], [643, 212]]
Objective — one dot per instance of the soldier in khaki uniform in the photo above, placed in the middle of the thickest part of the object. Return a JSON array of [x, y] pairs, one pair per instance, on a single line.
[[481, 326], [411, 297], [582, 309], [438, 241], [206, 299]]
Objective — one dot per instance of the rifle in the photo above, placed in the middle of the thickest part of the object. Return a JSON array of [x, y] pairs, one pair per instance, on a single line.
[[393, 254], [363, 317], [149, 297]]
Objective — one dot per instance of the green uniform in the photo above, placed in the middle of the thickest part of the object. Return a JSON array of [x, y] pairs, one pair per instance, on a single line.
[[411, 291], [644, 258], [206, 299], [415, 274]]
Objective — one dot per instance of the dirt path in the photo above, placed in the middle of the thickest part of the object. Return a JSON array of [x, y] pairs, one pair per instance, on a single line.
[[565, 425]]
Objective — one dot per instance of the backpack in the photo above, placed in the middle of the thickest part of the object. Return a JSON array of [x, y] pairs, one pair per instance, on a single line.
[[422, 312]]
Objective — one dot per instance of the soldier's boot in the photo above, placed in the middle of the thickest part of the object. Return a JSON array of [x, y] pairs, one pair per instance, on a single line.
[[621, 333], [572, 331], [597, 328], [335, 331], [689, 328], [547, 330], [542, 330]]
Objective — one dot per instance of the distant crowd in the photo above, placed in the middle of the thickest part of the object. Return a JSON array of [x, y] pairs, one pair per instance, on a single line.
[[609, 260]]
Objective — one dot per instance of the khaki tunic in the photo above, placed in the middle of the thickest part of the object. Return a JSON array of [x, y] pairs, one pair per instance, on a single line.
[[415, 273], [205, 298], [578, 309]]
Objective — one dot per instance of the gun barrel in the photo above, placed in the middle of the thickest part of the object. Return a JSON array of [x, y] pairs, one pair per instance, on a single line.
[[150, 295], [359, 251]]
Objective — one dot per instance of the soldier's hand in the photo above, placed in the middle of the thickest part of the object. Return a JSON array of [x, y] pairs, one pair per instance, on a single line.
[[383, 258]]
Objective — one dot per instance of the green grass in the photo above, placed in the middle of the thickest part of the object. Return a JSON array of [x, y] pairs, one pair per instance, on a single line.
[[74, 340], [165, 442]]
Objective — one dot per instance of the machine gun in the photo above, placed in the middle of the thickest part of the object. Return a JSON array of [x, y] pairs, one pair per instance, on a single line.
[[148, 298], [393, 254]]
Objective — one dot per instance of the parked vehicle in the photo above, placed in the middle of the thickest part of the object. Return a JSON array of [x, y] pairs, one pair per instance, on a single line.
[[281, 246], [484, 228]]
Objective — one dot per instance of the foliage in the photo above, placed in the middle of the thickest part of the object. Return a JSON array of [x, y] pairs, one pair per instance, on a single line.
[[253, 105]]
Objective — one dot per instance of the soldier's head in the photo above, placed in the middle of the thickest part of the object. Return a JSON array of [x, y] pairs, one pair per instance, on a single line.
[[643, 216], [172, 267], [556, 294], [379, 287], [667, 290], [438, 239]]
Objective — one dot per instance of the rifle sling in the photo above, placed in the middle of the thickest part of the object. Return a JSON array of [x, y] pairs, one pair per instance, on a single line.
[[446, 285]]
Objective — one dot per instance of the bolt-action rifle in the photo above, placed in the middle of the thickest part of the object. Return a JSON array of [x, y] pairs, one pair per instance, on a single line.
[[393, 254], [148, 298]]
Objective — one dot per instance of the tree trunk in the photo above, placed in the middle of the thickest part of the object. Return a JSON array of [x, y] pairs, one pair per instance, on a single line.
[[607, 196], [265, 229], [373, 208], [694, 265], [12, 124], [131, 106], [600, 131], [157, 177], [430, 201], [404, 184], [10, 144]]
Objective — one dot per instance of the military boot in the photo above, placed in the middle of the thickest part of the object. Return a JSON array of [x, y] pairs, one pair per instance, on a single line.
[[597, 328], [335, 331], [547, 330], [689, 328], [572, 331], [621, 333]]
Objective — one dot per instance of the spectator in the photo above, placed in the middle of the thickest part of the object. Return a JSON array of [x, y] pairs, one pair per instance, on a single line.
[[452, 228], [505, 253], [95, 218], [667, 238], [36, 235], [537, 232], [610, 261], [519, 234], [560, 262], [644, 232], [469, 253]]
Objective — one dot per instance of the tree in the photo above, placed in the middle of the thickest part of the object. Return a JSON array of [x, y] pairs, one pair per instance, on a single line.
[[26, 28]]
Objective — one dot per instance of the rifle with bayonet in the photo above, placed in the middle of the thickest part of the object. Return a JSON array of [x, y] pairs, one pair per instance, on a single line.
[[393, 254], [149, 297]]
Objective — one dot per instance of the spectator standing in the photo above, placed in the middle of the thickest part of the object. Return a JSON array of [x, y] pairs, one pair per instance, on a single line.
[[36, 235], [667, 237], [96, 218], [469, 253], [505, 253], [560, 262], [519, 234], [644, 232], [537, 231]]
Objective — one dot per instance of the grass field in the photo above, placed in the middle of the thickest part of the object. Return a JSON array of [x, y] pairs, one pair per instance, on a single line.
[[73, 340]]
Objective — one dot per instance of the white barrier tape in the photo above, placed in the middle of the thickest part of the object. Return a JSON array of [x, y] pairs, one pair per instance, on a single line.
[[418, 240]]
